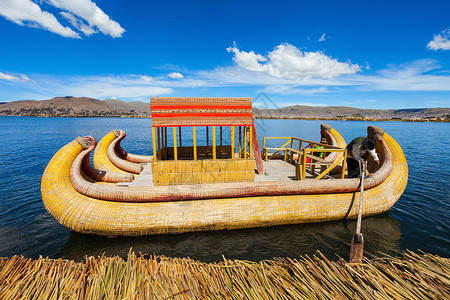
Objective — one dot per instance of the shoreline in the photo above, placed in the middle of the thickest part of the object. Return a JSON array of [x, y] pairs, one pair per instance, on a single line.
[[368, 119]]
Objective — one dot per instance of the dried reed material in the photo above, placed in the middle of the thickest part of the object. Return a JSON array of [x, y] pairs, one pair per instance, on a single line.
[[100, 175], [128, 156], [202, 171], [200, 111], [411, 276], [118, 161], [101, 160]]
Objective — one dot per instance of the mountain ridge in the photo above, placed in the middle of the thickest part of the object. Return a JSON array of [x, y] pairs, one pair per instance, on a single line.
[[69, 106]]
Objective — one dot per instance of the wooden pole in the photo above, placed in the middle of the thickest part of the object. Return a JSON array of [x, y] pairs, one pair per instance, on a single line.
[[250, 142], [344, 164], [175, 154], [240, 139], [159, 142], [214, 141], [179, 133], [194, 136], [165, 141], [220, 136], [357, 245], [303, 174], [245, 141], [256, 150], [232, 142], [154, 144]]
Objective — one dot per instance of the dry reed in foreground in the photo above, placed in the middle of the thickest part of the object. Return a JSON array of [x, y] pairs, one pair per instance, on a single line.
[[412, 276]]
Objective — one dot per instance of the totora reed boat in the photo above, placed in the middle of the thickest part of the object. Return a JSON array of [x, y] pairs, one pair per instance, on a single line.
[[227, 182]]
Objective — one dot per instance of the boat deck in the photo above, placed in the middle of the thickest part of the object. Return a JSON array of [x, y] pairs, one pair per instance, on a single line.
[[275, 170]]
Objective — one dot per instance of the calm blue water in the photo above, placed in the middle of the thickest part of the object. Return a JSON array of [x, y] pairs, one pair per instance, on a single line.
[[419, 220]]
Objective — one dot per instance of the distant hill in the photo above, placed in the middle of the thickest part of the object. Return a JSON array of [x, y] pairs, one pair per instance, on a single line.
[[138, 107], [74, 106], [344, 112], [88, 107]]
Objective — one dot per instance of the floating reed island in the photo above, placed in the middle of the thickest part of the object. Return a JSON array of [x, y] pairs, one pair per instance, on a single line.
[[411, 276]]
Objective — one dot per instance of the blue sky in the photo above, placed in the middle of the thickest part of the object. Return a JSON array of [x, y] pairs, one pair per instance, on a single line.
[[378, 54]]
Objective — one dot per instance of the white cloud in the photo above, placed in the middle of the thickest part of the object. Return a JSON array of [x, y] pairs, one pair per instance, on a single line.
[[146, 78], [14, 78], [120, 86], [28, 13], [288, 62], [247, 60], [78, 24], [322, 38], [175, 75], [89, 11], [440, 41], [419, 75]]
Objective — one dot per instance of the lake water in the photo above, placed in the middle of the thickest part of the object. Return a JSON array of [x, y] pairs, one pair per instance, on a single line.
[[419, 220]]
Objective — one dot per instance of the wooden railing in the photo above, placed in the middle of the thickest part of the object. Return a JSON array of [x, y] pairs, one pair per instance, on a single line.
[[305, 151]]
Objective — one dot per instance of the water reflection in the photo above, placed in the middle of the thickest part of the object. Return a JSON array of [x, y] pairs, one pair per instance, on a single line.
[[381, 234]]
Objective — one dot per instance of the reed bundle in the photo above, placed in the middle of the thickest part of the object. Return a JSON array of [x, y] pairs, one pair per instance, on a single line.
[[411, 276]]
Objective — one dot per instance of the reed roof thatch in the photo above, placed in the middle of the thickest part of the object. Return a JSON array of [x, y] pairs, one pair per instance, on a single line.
[[411, 276]]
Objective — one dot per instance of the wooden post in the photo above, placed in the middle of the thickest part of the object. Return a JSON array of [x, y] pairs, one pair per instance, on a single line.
[[194, 136], [344, 164], [250, 146], [303, 174], [159, 142], [240, 139], [256, 150], [165, 141], [220, 136], [175, 154], [214, 141], [232, 142], [245, 141], [357, 243], [154, 143], [264, 149], [179, 133]]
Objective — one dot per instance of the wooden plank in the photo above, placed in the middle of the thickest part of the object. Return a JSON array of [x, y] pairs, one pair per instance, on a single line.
[[165, 140], [344, 163], [240, 138], [159, 142], [245, 141], [175, 154], [281, 148], [194, 137], [232, 141], [214, 141], [321, 160], [154, 144], [257, 151], [336, 162], [250, 141]]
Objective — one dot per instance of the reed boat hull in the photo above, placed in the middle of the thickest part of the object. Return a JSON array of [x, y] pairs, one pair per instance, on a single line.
[[304, 201]]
